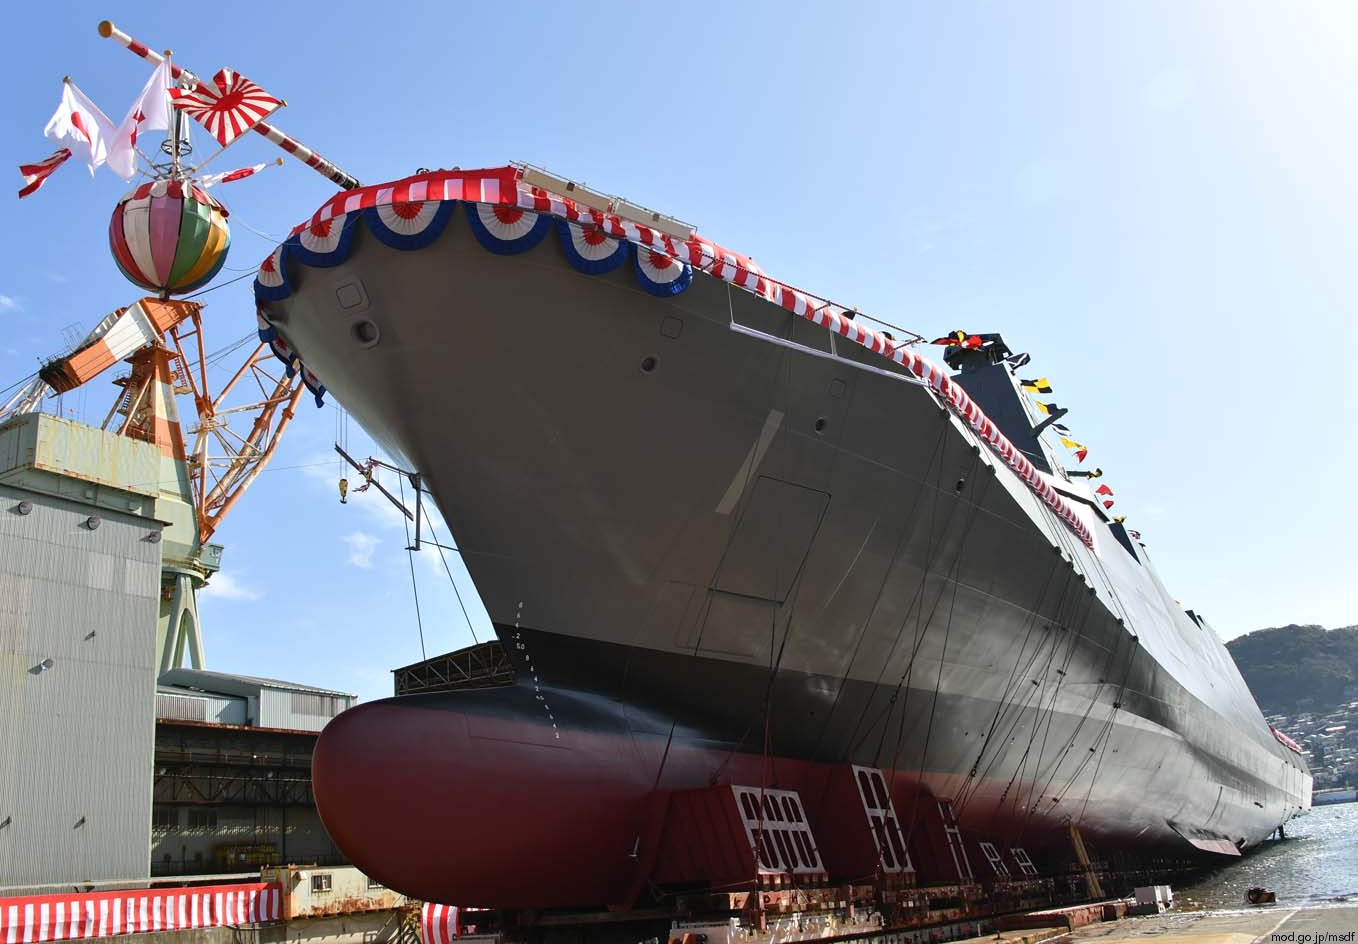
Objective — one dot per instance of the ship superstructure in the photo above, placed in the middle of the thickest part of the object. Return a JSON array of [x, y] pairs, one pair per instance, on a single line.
[[752, 558]]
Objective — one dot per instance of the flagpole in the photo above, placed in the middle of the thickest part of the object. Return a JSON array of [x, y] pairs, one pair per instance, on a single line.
[[296, 148], [176, 129], [200, 165]]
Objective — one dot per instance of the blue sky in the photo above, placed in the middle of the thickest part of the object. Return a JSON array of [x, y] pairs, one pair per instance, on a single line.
[[1157, 200]]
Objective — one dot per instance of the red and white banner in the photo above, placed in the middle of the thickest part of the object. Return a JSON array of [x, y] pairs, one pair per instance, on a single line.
[[36, 919], [226, 177], [440, 924], [36, 174], [230, 109]]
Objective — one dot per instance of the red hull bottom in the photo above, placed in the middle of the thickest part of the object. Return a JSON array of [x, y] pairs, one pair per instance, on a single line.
[[449, 806]]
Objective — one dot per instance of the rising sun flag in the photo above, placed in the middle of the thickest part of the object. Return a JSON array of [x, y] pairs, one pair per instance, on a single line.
[[228, 107]]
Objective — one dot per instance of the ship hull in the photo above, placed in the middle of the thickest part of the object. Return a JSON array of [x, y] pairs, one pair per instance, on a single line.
[[539, 796], [722, 547]]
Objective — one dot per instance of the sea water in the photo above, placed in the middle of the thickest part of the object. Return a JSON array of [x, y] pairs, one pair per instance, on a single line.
[[1317, 864]]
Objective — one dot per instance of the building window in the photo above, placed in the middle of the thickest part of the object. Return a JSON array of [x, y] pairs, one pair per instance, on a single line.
[[320, 882], [164, 817], [202, 819], [374, 884]]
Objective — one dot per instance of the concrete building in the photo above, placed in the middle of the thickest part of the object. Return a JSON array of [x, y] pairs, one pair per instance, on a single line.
[[233, 773], [80, 578]]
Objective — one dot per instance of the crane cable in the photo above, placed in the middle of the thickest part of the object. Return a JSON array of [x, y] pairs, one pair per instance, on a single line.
[[428, 520], [410, 558]]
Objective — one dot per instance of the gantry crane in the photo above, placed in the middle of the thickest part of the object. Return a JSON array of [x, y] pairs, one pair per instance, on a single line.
[[205, 469]]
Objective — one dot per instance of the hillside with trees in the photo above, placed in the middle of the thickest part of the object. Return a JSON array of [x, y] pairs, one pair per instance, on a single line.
[[1299, 668]]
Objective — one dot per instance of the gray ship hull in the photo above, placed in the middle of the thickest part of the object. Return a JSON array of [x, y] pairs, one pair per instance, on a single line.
[[750, 541]]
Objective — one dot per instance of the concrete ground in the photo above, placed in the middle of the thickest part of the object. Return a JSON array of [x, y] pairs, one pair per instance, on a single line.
[[1266, 925]]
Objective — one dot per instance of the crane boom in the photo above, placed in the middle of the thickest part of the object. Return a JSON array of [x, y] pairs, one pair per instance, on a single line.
[[126, 331], [162, 340]]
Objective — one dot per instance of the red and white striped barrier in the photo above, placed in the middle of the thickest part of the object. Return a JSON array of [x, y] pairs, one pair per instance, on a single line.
[[440, 924], [36, 919]]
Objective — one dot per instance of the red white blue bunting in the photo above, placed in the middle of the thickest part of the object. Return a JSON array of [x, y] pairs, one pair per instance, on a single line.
[[589, 249], [313, 383], [409, 225], [495, 194], [271, 281], [324, 243], [285, 353], [662, 275], [507, 230], [267, 332]]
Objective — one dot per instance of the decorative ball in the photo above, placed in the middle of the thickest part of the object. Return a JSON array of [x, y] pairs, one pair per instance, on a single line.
[[169, 236]]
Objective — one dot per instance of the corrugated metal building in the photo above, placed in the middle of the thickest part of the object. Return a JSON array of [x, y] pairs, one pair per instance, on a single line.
[[233, 773], [80, 562], [269, 703]]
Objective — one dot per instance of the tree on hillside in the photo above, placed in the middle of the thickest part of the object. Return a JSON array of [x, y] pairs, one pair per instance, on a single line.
[[1288, 665]]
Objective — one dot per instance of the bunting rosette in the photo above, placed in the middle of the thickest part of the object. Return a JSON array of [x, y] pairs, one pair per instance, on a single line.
[[323, 243], [660, 274], [410, 224], [590, 250], [271, 281], [169, 236], [507, 230]]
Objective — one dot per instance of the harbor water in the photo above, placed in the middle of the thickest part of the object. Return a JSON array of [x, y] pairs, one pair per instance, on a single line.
[[1315, 866]]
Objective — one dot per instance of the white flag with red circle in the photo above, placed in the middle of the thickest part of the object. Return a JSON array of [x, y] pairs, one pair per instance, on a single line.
[[79, 125]]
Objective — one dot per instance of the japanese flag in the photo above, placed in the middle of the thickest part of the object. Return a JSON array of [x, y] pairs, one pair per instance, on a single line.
[[150, 112], [79, 125]]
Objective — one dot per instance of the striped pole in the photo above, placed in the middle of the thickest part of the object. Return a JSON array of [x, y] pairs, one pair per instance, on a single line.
[[294, 147]]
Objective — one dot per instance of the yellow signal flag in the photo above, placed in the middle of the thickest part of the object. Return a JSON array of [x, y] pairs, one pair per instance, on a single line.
[[1080, 449], [1041, 385]]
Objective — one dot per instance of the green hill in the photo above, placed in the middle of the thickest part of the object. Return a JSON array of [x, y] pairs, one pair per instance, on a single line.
[[1292, 668]]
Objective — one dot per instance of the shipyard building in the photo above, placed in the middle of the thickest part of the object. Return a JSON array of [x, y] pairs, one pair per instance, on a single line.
[[120, 757]]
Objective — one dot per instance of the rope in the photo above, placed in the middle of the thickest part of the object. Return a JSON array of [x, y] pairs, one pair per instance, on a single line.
[[955, 576], [915, 600], [987, 739], [213, 288], [877, 599], [19, 383], [448, 570], [1022, 708], [410, 557], [726, 549]]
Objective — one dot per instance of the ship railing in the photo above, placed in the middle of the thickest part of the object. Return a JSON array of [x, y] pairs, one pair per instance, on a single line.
[[851, 354], [578, 192]]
